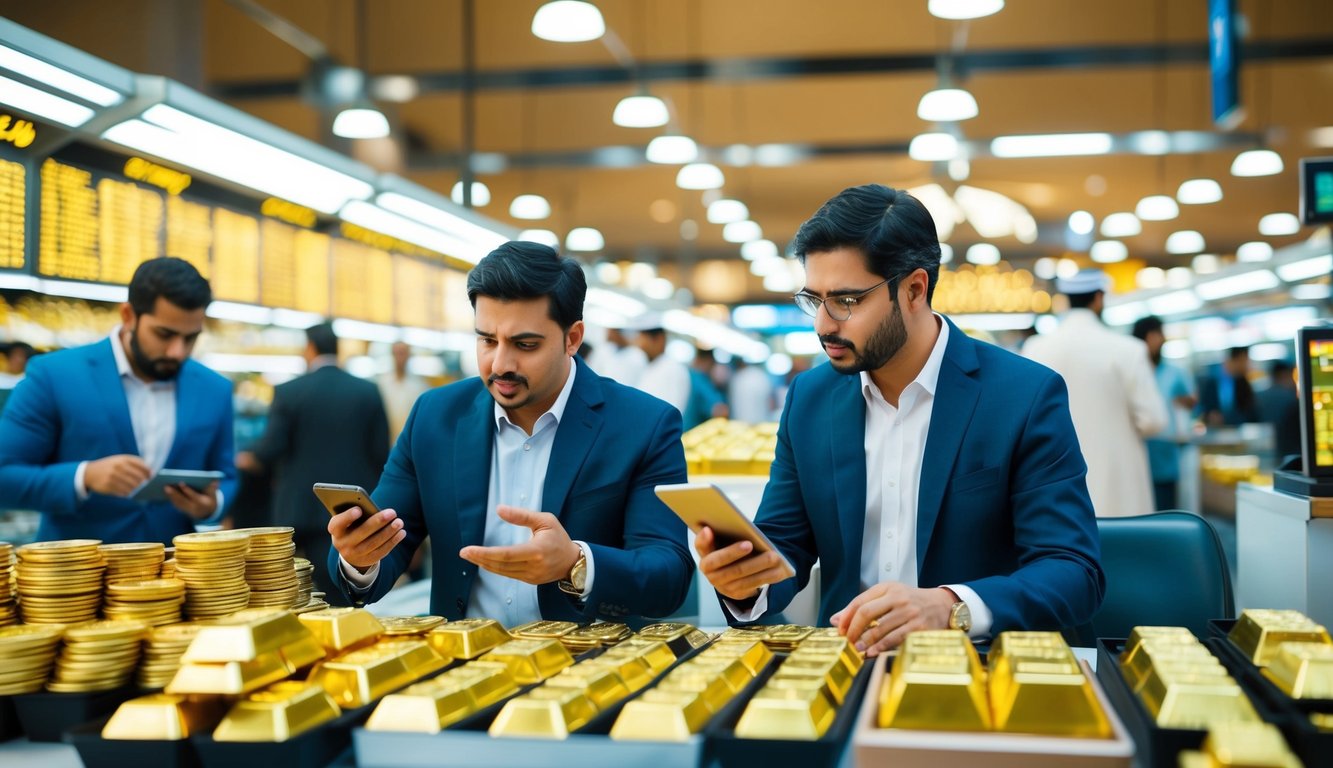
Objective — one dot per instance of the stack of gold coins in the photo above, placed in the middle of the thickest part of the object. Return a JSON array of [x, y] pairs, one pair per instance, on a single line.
[[153, 601], [98, 656], [132, 562], [60, 582], [270, 567], [317, 603], [8, 609], [162, 653], [28, 651], [305, 580], [169, 564], [212, 565]]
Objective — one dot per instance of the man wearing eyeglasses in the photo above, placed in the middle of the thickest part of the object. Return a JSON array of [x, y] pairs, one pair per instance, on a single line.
[[937, 479]]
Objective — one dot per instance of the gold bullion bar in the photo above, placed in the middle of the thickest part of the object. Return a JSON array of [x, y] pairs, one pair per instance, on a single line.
[[245, 635], [544, 713], [467, 638], [802, 714], [278, 713], [531, 661], [164, 717], [341, 629], [1303, 670], [661, 715]]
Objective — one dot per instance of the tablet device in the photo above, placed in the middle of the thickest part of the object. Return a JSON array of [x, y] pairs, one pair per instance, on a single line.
[[1314, 364], [700, 504], [156, 488]]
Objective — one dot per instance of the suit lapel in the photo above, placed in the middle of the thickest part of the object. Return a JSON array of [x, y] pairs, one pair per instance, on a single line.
[[106, 380], [847, 436], [956, 396], [472, 461], [574, 438]]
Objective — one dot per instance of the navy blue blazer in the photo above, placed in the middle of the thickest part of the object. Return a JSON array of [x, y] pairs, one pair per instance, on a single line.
[[612, 447], [71, 408], [1002, 508]]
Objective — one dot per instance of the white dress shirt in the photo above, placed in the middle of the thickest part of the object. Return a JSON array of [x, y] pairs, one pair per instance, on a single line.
[[152, 415], [895, 441], [518, 478], [667, 378]]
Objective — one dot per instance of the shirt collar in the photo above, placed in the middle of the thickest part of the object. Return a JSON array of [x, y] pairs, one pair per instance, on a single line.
[[118, 352], [929, 376], [557, 411]]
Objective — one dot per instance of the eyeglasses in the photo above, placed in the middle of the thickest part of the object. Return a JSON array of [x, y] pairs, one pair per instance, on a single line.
[[840, 307]]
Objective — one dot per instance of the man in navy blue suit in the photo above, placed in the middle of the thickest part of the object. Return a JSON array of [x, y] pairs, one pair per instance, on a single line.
[[937, 479], [535, 480], [89, 425]]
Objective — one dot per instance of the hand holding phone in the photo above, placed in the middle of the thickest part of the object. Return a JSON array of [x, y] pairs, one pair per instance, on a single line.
[[361, 532]]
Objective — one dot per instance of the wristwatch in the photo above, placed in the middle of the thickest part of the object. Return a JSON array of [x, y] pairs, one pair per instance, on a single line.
[[577, 579], [960, 617]]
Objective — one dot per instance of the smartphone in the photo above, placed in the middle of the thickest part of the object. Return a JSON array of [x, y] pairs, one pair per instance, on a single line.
[[340, 498], [700, 504], [156, 488]]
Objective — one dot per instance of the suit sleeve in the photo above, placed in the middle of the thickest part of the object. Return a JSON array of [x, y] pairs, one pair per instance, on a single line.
[[783, 518], [29, 436], [650, 575], [397, 490], [1059, 581], [379, 430]]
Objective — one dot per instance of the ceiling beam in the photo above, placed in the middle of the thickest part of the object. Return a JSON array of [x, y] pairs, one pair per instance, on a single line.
[[771, 68]]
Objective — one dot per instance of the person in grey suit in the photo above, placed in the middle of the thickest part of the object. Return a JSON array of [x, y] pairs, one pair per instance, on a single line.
[[326, 426]]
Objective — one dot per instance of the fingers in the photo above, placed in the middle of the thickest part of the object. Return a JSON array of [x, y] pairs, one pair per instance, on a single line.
[[524, 517], [367, 543], [704, 542]]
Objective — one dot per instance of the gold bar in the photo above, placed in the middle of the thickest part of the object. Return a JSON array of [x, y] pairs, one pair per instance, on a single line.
[[488, 682], [747, 634], [531, 661], [793, 713], [753, 654], [656, 653], [409, 625], [246, 634], [830, 671], [359, 677], [1139, 634], [934, 691], [1259, 632], [603, 685], [467, 638], [712, 689], [732, 671], [164, 717], [1189, 700], [854, 658], [1247, 745], [662, 715], [681, 638], [342, 629], [785, 637], [544, 713], [1046, 697], [426, 707], [302, 653], [1136, 665], [278, 713], [231, 678], [1303, 670], [543, 630], [602, 633], [633, 670]]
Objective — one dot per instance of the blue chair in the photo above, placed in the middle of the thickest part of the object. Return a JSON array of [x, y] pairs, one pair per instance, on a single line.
[[1165, 569]]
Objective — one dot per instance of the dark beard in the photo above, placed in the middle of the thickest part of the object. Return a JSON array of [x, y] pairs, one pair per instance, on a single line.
[[882, 345], [160, 369]]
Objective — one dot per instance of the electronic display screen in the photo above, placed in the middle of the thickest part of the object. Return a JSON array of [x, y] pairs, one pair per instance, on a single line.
[[1315, 365], [1316, 190]]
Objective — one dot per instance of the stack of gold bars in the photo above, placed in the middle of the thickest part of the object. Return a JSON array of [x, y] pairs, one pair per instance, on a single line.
[[721, 447], [212, 565], [1294, 653], [29, 651], [8, 607], [802, 698], [98, 656], [467, 638], [1241, 745], [60, 582], [137, 561], [270, 568], [1260, 633], [1181, 683], [1035, 686]]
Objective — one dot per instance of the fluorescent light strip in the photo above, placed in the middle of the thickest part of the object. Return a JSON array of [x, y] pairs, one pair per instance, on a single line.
[[25, 98], [1235, 285], [473, 240], [612, 301], [995, 321], [356, 329], [373, 217], [14, 281], [1305, 269], [242, 313], [292, 365], [171, 134], [290, 318], [92, 291], [1051, 145], [1175, 303], [721, 336], [56, 77]]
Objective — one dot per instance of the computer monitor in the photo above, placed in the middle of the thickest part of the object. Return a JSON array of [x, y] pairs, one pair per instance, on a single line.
[[1314, 362], [1316, 190]]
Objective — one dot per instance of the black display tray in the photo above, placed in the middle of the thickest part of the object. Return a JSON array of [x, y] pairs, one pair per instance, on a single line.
[[315, 748], [97, 752], [1156, 746], [10, 727], [46, 716], [723, 748]]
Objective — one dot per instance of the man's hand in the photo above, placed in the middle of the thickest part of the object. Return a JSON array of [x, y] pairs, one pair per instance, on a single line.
[[117, 475], [879, 618], [369, 542], [199, 505], [548, 556], [732, 570], [246, 462]]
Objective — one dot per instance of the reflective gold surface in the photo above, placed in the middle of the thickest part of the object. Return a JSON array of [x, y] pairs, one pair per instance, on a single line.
[[232, 677], [1259, 632], [356, 678], [543, 629], [531, 661], [426, 707], [790, 713], [936, 683], [1303, 670], [753, 654], [467, 638], [1037, 686], [164, 717], [1242, 745], [681, 638], [662, 715], [545, 712], [409, 625], [603, 685], [244, 635], [1191, 699], [278, 713], [341, 629]]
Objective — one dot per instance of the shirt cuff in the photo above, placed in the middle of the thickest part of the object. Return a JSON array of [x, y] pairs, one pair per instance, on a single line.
[[79, 490], [981, 615], [754, 611], [587, 560], [358, 581]]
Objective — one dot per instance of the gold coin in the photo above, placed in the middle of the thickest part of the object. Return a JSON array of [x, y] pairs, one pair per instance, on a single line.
[[106, 630]]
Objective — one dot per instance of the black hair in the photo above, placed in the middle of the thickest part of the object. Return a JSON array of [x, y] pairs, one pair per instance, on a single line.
[[521, 270], [170, 278], [1082, 300], [1236, 353], [1279, 367], [893, 230], [21, 346], [322, 338], [1146, 325]]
